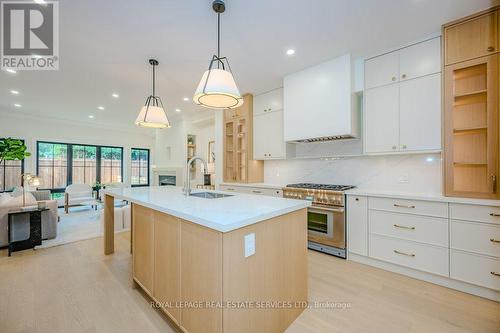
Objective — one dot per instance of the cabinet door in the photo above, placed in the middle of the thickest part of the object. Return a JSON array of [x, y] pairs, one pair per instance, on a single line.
[[268, 102], [382, 70], [471, 39], [357, 223], [420, 113], [268, 139], [382, 119], [167, 262], [143, 246], [229, 151], [420, 59], [471, 128]]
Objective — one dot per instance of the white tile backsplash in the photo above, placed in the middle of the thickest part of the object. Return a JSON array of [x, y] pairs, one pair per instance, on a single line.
[[417, 173]]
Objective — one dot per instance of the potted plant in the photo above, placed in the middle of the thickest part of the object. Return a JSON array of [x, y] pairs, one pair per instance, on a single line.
[[12, 149]]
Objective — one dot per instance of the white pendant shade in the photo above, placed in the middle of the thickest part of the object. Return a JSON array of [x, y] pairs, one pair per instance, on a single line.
[[152, 117], [217, 90]]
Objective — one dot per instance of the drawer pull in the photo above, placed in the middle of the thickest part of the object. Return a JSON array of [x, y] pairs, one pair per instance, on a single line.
[[229, 189], [255, 191], [490, 49], [404, 254], [493, 240], [403, 227], [494, 214], [403, 206], [495, 273]]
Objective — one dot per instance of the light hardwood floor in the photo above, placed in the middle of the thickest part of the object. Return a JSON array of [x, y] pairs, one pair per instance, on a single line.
[[75, 288]]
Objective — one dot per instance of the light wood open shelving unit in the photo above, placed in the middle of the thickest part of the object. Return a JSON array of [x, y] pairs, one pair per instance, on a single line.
[[239, 165], [471, 66]]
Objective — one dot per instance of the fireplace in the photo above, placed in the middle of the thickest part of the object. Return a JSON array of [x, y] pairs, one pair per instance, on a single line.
[[167, 180], [167, 176]]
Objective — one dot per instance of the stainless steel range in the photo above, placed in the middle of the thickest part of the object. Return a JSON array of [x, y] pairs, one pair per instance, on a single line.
[[326, 221]]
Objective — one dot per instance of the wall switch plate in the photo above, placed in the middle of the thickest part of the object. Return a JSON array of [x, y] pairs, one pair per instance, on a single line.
[[249, 245]]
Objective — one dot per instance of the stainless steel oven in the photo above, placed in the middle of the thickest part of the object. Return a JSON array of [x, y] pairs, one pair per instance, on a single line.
[[326, 221]]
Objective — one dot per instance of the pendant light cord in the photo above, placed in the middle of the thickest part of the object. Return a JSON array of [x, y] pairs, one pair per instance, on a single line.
[[154, 80], [218, 38]]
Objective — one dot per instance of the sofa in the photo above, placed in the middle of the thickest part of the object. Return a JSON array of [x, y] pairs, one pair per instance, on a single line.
[[20, 229]]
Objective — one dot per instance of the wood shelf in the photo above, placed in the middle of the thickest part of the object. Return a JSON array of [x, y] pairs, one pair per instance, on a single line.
[[477, 92]]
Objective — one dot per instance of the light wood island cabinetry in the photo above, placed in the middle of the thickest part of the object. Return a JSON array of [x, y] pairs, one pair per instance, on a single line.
[[203, 280]]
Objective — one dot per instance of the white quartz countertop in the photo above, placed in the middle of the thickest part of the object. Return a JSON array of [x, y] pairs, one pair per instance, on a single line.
[[257, 185], [221, 214], [421, 196]]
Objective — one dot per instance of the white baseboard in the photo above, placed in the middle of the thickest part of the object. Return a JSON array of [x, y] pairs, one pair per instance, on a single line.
[[428, 277]]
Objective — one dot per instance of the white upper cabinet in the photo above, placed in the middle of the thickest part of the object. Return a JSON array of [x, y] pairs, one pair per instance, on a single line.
[[382, 70], [420, 113], [404, 115], [268, 140], [382, 119], [268, 102], [420, 59], [318, 102]]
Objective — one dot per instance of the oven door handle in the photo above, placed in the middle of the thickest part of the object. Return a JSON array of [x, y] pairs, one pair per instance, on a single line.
[[335, 210]]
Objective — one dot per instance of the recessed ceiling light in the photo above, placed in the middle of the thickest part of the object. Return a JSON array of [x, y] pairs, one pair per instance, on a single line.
[[91, 116], [14, 92], [185, 99], [177, 110], [100, 108], [290, 52], [10, 70], [17, 105], [115, 95]]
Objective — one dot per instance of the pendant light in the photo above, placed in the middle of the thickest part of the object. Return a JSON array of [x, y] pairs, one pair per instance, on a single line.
[[152, 114], [217, 88]]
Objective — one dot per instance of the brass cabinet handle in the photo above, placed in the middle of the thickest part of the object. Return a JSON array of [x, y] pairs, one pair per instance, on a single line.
[[403, 206], [494, 214], [403, 76], [490, 49], [393, 78], [229, 189], [255, 191], [493, 240], [494, 182], [495, 273], [403, 227], [404, 254]]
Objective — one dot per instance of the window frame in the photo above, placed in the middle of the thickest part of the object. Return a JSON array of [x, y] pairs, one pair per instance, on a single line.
[[149, 167], [5, 167], [69, 164]]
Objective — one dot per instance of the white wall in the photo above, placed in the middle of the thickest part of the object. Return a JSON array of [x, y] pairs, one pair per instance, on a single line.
[[171, 144], [33, 129], [420, 173]]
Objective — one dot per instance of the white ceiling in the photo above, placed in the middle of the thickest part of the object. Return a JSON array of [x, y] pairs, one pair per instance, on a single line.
[[104, 47]]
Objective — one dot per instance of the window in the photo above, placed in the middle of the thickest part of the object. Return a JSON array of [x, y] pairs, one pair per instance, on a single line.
[[52, 165], [61, 164], [84, 166], [10, 174], [139, 167], [111, 164]]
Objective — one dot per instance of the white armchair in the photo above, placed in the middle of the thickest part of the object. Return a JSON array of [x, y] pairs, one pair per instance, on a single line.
[[78, 195]]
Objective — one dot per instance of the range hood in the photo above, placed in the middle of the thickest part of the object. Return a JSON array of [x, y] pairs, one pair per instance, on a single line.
[[319, 103]]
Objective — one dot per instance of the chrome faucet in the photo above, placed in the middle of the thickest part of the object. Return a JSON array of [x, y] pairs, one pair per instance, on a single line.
[[187, 184]]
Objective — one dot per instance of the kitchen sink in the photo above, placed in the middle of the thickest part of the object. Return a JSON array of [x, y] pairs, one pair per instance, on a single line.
[[209, 195]]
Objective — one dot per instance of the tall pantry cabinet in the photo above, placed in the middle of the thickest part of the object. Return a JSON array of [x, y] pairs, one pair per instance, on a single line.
[[471, 123]]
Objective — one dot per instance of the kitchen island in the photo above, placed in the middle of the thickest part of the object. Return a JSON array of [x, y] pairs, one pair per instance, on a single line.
[[214, 261]]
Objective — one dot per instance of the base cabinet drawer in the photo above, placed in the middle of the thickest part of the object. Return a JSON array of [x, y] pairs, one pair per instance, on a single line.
[[475, 237], [476, 269], [419, 207], [488, 214], [237, 189], [253, 190], [428, 258], [425, 229]]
